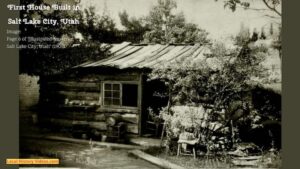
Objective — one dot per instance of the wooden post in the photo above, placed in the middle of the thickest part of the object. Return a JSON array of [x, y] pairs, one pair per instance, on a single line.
[[232, 132], [178, 149], [194, 152], [168, 110], [140, 103]]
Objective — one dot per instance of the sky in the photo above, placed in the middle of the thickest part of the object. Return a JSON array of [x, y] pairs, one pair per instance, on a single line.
[[210, 15]]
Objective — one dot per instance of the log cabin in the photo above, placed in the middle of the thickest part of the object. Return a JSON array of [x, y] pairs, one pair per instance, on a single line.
[[92, 91], [116, 85]]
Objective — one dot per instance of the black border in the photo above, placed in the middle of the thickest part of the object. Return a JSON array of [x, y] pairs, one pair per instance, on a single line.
[[9, 97], [9, 127]]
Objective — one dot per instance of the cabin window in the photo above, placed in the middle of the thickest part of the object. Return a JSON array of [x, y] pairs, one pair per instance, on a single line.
[[117, 94], [112, 94], [130, 95]]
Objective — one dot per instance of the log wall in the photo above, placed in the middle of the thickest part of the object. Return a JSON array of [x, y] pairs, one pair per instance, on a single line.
[[68, 101]]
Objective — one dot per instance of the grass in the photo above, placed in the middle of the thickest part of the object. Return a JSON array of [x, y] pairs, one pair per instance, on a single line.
[[189, 162], [268, 160]]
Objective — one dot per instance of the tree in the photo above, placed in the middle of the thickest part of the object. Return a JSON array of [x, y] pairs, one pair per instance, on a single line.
[[271, 29], [262, 34], [272, 5], [167, 27], [95, 27], [135, 28], [254, 36], [95, 30], [243, 35], [222, 86], [277, 43]]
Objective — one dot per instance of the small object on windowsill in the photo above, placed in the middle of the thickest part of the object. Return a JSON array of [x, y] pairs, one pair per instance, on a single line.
[[66, 101]]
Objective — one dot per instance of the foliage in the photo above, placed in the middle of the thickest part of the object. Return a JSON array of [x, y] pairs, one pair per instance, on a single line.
[[243, 35], [161, 25], [272, 5], [135, 28], [67, 50], [262, 34], [93, 27], [225, 84]]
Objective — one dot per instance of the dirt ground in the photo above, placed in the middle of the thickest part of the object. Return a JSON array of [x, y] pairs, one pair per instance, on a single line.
[[83, 156], [72, 154]]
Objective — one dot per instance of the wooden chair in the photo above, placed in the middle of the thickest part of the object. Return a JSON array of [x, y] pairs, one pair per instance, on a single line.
[[187, 140]]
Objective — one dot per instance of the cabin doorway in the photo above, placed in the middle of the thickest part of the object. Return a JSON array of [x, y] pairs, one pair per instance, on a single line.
[[155, 97]]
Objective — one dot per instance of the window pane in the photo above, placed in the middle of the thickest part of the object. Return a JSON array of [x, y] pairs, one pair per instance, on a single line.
[[107, 94], [107, 101], [107, 87], [116, 86], [116, 94], [130, 95], [116, 101]]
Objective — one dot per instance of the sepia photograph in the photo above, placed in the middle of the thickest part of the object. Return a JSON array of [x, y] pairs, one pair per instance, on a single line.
[[149, 84]]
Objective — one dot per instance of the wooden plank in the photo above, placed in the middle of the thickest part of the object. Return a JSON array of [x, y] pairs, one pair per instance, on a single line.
[[87, 142], [152, 55], [120, 60], [187, 55], [116, 55], [248, 158], [154, 160], [131, 118], [135, 57], [245, 162], [183, 51], [171, 52], [118, 47]]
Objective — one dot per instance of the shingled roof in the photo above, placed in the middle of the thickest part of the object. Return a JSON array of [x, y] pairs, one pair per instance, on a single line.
[[127, 55]]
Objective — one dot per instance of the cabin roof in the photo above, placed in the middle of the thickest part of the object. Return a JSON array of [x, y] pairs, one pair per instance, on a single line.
[[127, 55]]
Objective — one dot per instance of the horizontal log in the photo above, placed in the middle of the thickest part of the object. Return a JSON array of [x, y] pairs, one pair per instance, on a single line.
[[65, 122], [99, 117], [113, 77], [79, 114], [131, 118], [73, 86], [117, 110], [80, 95], [53, 96], [59, 101], [98, 125], [86, 116], [130, 128], [62, 108]]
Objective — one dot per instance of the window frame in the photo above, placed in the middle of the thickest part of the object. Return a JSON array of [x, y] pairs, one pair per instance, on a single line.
[[120, 93], [121, 83]]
